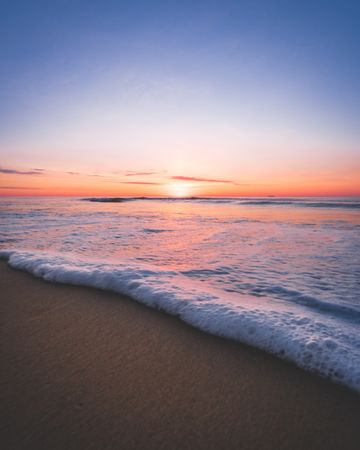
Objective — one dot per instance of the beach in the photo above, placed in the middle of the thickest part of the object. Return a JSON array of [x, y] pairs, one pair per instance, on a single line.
[[85, 368], [179, 225]]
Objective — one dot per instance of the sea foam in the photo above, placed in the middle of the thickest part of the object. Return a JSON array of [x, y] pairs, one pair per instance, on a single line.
[[319, 341]]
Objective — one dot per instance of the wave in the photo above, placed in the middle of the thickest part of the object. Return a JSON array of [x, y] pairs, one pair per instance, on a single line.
[[155, 230], [346, 312], [299, 202], [324, 204], [111, 199], [316, 340]]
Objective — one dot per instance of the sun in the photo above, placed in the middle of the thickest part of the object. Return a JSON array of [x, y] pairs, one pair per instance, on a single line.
[[179, 190]]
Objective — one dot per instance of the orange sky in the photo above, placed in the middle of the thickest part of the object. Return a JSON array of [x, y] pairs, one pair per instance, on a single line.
[[181, 99], [41, 182]]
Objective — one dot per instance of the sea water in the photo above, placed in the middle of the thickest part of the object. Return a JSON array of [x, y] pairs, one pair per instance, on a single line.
[[281, 274]]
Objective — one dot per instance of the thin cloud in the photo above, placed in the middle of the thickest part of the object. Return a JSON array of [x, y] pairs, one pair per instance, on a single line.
[[139, 174], [19, 187], [22, 172], [207, 180], [96, 175], [141, 182]]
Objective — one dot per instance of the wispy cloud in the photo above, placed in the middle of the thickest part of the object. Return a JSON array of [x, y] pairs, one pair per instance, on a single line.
[[19, 187], [98, 175], [22, 172], [141, 182], [207, 180], [139, 174]]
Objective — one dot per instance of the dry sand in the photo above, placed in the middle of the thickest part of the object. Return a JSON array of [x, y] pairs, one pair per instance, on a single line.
[[86, 369]]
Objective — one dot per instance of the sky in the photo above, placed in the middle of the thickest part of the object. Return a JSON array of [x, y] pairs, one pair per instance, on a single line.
[[179, 98]]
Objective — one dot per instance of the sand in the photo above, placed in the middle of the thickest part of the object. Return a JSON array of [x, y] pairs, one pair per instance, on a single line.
[[87, 369]]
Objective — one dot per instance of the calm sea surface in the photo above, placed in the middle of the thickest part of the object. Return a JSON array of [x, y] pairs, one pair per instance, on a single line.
[[279, 274]]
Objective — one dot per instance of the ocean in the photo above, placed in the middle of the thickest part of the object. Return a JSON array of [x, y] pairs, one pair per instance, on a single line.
[[280, 274]]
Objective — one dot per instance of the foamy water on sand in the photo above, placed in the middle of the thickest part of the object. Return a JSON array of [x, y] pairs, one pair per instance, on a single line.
[[279, 274]]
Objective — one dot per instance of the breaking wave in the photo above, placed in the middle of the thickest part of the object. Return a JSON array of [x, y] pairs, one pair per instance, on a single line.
[[296, 202], [318, 337]]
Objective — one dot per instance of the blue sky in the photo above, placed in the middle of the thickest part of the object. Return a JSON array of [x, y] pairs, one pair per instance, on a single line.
[[150, 84]]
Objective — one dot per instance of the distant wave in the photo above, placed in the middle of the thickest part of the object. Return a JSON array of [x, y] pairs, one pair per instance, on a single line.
[[320, 340], [298, 202], [324, 204], [110, 199], [154, 230]]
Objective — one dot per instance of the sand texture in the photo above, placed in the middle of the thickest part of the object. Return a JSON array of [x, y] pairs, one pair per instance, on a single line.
[[87, 369]]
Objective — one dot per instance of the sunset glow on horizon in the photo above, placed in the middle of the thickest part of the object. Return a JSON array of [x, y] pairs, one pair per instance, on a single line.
[[62, 184], [179, 99]]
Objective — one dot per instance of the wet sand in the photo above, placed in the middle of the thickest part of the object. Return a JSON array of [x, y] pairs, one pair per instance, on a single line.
[[87, 369]]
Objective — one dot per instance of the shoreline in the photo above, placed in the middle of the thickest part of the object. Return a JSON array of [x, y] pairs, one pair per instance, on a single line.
[[85, 368], [329, 351]]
